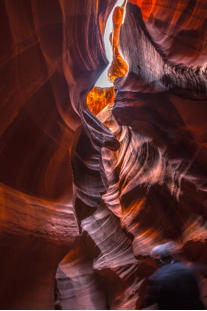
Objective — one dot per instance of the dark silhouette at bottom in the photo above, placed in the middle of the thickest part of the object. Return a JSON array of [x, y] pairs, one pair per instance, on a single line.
[[174, 285]]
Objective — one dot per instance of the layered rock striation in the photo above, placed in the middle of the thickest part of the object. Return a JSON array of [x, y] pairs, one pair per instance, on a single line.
[[90, 193]]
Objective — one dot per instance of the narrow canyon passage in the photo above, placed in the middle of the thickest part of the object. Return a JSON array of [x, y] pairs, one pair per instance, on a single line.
[[103, 141]]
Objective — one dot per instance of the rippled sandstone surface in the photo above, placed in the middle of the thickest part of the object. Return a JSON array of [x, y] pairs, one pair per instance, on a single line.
[[95, 194]]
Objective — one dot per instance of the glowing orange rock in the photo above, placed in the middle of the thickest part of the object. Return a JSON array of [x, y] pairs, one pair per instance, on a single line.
[[98, 98], [118, 67]]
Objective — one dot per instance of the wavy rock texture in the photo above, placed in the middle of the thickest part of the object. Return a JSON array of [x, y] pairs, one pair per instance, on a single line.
[[128, 179], [173, 179], [156, 179], [49, 60], [179, 28]]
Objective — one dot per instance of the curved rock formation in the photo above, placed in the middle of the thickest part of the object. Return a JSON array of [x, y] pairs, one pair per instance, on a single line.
[[42, 86], [102, 189], [156, 179]]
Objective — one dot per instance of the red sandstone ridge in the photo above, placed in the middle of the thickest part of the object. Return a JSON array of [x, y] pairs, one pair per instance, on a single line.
[[90, 194], [178, 27]]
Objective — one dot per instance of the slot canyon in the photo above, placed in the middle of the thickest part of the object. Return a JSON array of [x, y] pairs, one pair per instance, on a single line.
[[103, 148]]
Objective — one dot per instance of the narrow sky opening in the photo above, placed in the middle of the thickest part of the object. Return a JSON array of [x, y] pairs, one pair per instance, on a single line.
[[103, 80]]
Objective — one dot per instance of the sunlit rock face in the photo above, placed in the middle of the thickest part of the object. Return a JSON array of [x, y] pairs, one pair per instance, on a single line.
[[102, 183], [179, 28]]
